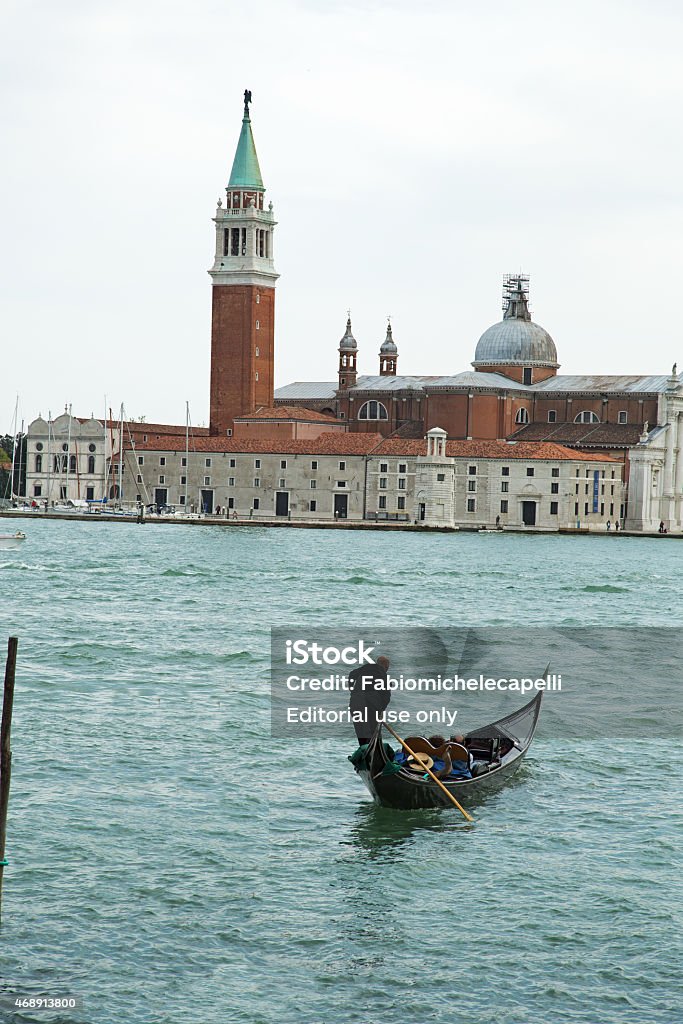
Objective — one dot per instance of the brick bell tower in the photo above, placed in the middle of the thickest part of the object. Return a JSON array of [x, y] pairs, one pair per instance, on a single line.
[[243, 305]]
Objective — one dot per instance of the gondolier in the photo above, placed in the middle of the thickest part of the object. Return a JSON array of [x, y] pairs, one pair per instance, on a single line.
[[369, 695]]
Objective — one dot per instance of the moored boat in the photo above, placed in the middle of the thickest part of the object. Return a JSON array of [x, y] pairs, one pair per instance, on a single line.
[[498, 749]]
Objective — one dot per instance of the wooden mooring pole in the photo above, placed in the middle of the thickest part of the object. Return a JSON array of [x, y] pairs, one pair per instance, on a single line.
[[5, 751]]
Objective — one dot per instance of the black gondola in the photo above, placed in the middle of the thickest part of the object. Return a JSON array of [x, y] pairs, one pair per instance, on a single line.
[[498, 748]]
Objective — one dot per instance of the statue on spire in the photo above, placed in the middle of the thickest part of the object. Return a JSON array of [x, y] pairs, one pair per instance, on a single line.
[[247, 101]]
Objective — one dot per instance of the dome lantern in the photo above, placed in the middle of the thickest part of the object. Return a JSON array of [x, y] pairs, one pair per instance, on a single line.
[[516, 340]]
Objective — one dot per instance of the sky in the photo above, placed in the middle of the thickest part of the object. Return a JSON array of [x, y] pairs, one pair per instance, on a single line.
[[414, 153]]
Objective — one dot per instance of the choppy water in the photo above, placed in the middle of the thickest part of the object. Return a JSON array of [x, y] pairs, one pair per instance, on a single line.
[[164, 881]]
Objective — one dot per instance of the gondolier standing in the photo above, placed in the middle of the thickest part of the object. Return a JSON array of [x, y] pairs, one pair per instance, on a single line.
[[370, 695]]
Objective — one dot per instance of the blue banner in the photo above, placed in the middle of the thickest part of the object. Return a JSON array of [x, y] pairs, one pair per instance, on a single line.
[[596, 488]]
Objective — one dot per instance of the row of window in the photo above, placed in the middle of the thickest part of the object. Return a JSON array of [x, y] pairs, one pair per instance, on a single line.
[[65, 447], [64, 464], [586, 416]]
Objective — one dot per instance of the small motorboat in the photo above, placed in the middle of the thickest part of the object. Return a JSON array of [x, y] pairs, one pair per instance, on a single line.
[[11, 540]]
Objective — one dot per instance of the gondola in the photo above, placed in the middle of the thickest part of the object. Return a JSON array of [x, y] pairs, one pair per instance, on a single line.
[[498, 749]]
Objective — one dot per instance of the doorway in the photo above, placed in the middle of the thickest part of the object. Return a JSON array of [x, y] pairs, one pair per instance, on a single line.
[[341, 506], [207, 502], [160, 497], [529, 513], [281, 503]]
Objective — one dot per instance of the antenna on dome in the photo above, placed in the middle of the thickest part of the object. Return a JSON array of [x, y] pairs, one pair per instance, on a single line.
[[516, 297]]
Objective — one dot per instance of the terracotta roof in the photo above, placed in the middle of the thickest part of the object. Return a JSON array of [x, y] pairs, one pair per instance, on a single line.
[[527, 450], [288, 412], [332, 443], [602, 435]]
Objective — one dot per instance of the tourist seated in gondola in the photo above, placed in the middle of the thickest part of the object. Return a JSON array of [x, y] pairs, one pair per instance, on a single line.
[[442, 756]]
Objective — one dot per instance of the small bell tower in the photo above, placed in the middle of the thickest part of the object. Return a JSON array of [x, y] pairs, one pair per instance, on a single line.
[[388, 355], [348, 352]]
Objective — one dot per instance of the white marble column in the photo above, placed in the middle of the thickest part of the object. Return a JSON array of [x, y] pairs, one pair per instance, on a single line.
[[678, 478]]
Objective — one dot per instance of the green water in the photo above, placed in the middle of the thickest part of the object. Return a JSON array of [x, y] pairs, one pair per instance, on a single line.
[[160, 877]]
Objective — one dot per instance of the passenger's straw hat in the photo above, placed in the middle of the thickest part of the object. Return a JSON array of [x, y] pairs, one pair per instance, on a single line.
[[420, 762]]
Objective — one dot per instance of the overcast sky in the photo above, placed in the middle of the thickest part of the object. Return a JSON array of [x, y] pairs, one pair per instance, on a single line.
[[414, 153]]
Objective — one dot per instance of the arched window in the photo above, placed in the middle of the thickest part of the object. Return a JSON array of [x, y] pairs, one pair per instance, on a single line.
[[91, 463], [586, 417], [373, 411], [72, 464], [39, 463], [522, 416]]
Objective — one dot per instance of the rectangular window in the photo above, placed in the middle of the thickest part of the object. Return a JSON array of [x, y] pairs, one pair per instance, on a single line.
[[257, 463], [529, 470], [504, 505], [401, 483], [471, 504], [207, 463], [183, 462], [314, 464], [141, 460], [553, 508], [623, 417], [89, 493], [471, 485], [38, 490], [162, 479], [505, 471], [162, 460], [341, 483], [231, 481], [283, 463], [505, 486], [555, 471], [552, 416], [312, 506], [526, 375], [611, 509], [585, 509], [207, 481], [382, 483], [282, 483], [384, 467], [554, 488], [314, 484], [231, 502], [401, 503], [256, 505], [402, 467], [232, 463], [139, 479], [472, 470], [183, 480], [62, 491], [257, 481], [382, 501], [586, 489], [602, 508], [576, 508], [342, 466], [181, 499], [576, 489], [440, 477]]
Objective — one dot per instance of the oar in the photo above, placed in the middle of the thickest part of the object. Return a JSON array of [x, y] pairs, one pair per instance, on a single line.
[[430, 773]]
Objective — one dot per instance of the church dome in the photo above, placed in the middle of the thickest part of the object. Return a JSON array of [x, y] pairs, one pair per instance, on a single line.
[[516, 340]]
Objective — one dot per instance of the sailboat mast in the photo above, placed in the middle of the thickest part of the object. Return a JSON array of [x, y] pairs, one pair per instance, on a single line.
[[187, 449], [14, 449], [49, 457], [68, 455], [121, 458]]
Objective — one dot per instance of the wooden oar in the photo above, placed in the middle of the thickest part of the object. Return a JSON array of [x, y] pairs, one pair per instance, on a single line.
[[429, 773]]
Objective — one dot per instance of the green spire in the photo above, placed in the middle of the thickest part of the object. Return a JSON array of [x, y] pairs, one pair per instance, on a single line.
[[246, 172]]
